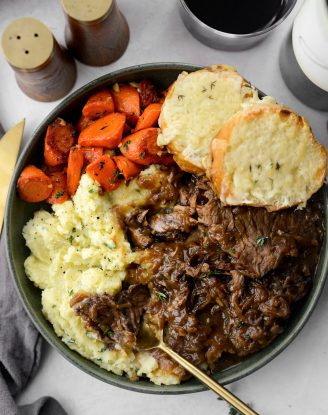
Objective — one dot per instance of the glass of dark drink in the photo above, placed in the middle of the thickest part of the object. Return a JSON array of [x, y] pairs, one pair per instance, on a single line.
[[233, 24]]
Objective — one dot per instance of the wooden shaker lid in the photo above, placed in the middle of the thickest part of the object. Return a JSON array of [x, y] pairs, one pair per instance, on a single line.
[[86, 10], [27, 43]]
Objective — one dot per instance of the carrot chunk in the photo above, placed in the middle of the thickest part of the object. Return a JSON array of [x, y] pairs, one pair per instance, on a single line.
[[141, 147], [127, 167], [92, 154], [104, 172], [149, 117], [83, 123], [60, 137], [33, 185], [98, 105], [106, 132], [59, 192], [74, 169], [127, 100]]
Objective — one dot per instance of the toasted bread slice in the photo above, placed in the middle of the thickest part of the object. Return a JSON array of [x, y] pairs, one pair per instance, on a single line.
[[267, 156], [194, 110]]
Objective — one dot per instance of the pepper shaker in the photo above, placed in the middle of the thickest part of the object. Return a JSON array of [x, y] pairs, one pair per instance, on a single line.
[[96, 31], [43, 69]]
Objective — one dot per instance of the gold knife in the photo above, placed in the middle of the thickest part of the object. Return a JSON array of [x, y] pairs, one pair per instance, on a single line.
[[9, 148]]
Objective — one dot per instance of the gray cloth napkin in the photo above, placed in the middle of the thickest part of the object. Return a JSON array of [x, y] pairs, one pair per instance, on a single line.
[[20, 350]]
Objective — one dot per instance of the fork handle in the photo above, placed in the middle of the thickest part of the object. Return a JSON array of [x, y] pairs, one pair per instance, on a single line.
[[211, 383]]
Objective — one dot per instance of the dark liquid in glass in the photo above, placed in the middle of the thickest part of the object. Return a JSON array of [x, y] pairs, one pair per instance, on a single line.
[[237, 16]]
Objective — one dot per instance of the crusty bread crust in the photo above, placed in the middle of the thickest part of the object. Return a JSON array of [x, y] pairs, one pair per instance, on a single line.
[[285, 128], [190, 149]]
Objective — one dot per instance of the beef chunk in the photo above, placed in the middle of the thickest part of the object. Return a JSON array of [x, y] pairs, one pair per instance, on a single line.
[[179, 219], [113, 319], [148, 93]]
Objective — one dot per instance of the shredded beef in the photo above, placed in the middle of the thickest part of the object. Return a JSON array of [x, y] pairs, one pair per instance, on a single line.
[[221, 282]]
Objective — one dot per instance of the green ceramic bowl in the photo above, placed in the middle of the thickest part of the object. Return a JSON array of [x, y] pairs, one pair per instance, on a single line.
[[18, 213]]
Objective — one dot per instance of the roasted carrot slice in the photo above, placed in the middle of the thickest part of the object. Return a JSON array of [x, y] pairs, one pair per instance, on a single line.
[[127, 167], [92, 154], [104, 172], [99, 104], [60, 137], [149, 117], [59, 192], [74, 169], [141, 147], [106, 132], [127, 100], [83, 123], [33, 185]]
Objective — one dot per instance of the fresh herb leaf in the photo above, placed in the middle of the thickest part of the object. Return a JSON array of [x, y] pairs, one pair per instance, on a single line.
[[116, 172], [142, 155], [261, 240], [71, 238], [233, 411], [103, 349], [231, 250], [180, 97], [213, 84], [241, 324], [204, 90], [91, 191], [70, 292]]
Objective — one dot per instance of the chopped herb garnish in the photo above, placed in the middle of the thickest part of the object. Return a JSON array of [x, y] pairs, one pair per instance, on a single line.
[[103, 127], [71, 238], [241, 323], [161, 295], [250, 168], [277, 166], [103, 349], [259, 166], [142, 155], [261, 240], [116, 172], [90, 190], [231, 250], [101, 165], [216, 272], [134, 84], [59, 194], [210, 97], [233, 411], [98, 359], [116, 87], [204, 90], [180, 97], [109, 332], [125, 147], [213, 84], [70, 292]]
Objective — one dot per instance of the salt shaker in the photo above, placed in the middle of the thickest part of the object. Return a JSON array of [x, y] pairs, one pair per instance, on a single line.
[[43, 69], [304, 55], [96, 32]]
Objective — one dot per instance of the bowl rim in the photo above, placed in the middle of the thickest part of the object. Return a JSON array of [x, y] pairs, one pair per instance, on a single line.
[[232, 374], [239, 36]]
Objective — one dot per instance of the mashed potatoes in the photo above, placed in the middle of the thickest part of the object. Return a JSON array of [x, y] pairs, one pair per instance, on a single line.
[[80, 247]]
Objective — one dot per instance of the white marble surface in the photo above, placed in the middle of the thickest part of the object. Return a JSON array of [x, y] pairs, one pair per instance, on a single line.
[[294, 383]]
